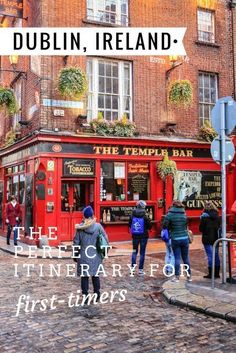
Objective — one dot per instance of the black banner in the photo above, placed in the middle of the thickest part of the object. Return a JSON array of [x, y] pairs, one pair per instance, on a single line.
[[13, 8], [78, 167], [121, 213]]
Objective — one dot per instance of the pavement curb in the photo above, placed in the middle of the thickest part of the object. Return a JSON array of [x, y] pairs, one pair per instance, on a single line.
[[178, 294]]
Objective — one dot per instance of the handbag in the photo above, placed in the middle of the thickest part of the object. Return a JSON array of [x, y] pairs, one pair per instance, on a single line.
[[190, 236], [101, 245]]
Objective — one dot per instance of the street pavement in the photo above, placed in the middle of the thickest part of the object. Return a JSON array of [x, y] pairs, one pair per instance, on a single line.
[[144, 322]]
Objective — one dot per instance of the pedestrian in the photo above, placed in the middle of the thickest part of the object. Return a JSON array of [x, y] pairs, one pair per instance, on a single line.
[[139, 225], [210, 228], [176, 222], [13, 218], [86, 236]]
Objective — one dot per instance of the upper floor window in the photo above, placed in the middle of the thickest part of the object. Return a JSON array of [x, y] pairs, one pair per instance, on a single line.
[[208, 94], [206, 25], [109, 89], [108, 11]]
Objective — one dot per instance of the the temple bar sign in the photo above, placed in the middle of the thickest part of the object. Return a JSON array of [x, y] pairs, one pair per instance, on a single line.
[[13, 8], [78, 167]]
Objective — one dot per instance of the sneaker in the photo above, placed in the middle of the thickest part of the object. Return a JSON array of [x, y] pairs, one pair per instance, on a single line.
[[141, 272], [189, 279], [132, 272], [175, 279]]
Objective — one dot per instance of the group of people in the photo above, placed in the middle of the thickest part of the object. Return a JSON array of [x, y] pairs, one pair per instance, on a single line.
[[175, 221]]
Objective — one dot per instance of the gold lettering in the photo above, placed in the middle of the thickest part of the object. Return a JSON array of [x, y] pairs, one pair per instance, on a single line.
[[106, 150], [164, 152], [97, 149], [189, 153], [151, 151], [175, 153], [115, 150], [134, 151], [182, 153], [143, 151], [126, 150]]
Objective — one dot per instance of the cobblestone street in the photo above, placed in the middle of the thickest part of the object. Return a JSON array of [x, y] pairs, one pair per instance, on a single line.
[[136, 325]]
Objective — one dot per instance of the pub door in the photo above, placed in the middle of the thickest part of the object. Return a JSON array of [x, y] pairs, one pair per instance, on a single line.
[[75, 195]]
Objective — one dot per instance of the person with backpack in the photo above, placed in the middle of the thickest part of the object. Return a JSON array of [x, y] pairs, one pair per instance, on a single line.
[[176, 222], [210, 225], [139, 225], [87, 234]]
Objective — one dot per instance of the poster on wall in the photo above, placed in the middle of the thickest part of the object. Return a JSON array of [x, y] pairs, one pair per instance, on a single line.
[[194, 188]]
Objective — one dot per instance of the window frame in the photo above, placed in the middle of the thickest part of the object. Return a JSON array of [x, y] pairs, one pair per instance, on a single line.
[[93, 93], [209, 104], [126, 181], [213, 32], [118, 14]]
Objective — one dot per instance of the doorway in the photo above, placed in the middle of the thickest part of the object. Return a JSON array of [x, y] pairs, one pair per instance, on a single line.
[[75, 195]]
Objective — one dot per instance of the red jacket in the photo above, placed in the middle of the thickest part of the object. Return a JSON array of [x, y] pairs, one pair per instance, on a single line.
[[12, 213]]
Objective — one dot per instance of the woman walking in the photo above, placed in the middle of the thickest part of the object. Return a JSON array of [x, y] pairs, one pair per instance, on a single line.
[[176, 222], [210, 227], [89, 261]]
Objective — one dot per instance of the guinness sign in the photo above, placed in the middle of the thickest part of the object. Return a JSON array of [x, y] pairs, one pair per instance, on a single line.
[[78, 167]]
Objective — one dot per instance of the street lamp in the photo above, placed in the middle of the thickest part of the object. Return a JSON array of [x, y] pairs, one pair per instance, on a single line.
[[174, 63], [13, 61]]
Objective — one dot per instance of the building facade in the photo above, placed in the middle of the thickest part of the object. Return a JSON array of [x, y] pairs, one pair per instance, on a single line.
[[56, 167]]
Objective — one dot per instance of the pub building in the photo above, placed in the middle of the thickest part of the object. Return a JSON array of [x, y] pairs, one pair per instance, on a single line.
[[55, 177]]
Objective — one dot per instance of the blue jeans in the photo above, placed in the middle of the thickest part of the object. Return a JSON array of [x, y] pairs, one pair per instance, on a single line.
[[180, 250], [169, 258], [85, 285], [143, 243], [209, 253]]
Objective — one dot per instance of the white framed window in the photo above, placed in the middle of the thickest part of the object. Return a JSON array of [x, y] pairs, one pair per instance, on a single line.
[[108, 11], [206, 25], [110, 89], [208, 94]]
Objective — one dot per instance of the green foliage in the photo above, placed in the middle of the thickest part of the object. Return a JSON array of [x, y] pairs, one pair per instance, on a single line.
[[72, 82], [166, 168], [207, 132], [180, 92], [8, 100], [10, 138], [122, 128]]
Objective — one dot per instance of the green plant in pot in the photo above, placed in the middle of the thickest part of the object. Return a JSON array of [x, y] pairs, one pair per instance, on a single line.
[[72, 82], [100, 126], [166, 168], [8, 100], [10, 137], [124, 127], [180, 93], [207, 132]]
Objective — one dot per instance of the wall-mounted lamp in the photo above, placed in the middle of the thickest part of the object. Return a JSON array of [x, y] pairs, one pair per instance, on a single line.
[[65, 59], [174, 59], [13, 61]]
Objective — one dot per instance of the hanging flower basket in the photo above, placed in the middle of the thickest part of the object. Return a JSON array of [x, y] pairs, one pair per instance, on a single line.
[[10, 138], [122, 128], [207, 132], [166, 168], [8, 100], [72, 82], [180, 92]]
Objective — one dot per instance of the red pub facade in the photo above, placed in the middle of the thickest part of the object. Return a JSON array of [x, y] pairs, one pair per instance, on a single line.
[[55, 177]]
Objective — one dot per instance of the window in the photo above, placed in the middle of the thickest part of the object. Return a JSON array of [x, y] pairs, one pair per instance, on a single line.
[[206, 25], [16, 183], [109, 89], [108, 11], [115, 185], [208, 94]]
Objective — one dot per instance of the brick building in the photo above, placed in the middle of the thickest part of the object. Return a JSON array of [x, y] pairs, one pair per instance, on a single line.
[[50, 135]]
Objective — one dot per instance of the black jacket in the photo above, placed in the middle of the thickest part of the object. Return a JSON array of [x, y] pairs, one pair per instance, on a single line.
[[141, 213], [209, 226]]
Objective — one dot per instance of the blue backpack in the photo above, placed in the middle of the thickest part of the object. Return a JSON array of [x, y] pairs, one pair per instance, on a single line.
[[137, 226], [165, 235]]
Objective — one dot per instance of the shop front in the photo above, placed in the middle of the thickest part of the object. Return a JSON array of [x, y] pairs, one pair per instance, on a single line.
[[55, 177]]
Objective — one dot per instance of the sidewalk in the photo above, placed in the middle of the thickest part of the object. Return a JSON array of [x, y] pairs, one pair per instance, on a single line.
[[199, 296]]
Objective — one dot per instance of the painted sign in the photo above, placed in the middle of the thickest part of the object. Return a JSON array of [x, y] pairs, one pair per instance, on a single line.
[[62, 104], [194, 188], [13, 8], [78, 167]]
